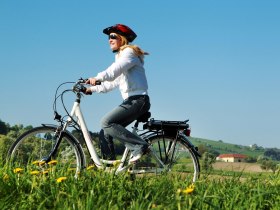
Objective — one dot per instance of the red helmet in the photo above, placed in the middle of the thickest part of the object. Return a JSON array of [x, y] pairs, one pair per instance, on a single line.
[[121, 30]]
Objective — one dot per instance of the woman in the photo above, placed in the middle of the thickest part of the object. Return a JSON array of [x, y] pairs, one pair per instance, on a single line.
[[127, 73]]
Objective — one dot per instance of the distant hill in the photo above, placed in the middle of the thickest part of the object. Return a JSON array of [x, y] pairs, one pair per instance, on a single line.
[[227, 148]]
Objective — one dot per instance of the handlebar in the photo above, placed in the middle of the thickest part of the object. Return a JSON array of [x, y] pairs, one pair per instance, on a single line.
[[79, 85], [77, 89]]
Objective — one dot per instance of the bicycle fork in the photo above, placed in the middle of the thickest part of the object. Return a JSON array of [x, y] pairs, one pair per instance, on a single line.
[[58, 138]]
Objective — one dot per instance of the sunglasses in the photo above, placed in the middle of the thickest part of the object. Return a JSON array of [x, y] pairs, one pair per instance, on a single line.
[[113, 36]]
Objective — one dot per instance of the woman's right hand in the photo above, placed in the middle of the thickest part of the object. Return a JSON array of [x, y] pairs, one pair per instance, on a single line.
[[91, 81]]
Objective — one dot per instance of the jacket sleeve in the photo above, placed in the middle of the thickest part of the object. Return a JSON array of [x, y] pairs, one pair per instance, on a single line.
[[125, 62], [105, 86]]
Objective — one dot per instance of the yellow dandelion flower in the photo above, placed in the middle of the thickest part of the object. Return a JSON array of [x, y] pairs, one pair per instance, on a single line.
[[46, 172], [38, 162], [61, 179], [52, 162], [90, 167], [42, 163], [189, 189], [35, 172], [18, 170]]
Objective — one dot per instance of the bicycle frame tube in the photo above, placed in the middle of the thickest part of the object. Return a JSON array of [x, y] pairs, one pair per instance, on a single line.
[[76, 111]]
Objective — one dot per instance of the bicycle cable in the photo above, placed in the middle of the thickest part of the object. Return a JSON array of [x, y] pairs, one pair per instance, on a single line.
[[61, 119], [74, 122], [56, 97]]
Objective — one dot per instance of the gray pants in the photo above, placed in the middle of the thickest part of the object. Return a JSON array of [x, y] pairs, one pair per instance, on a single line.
[[114, 123]]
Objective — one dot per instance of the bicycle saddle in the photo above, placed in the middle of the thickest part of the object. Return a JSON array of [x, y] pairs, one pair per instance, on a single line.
[[144, 117]]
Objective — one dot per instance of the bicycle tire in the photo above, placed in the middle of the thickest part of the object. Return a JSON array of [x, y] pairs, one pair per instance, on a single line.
[[33, 146], [176, 155]]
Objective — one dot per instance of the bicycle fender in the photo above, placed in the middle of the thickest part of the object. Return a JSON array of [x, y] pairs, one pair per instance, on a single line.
[[66, 131], [188, 142]]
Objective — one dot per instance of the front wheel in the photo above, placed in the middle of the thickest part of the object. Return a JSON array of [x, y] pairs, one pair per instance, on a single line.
[[32, 148], [175, 155]]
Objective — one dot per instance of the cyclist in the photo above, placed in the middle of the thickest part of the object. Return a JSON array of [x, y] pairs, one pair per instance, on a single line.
[[128, 74]]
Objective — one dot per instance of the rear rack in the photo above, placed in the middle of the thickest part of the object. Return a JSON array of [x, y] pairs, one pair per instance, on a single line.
[[166, 125]]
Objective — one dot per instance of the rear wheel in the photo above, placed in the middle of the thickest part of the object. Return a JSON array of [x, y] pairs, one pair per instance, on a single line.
[[32, 148], [174, 153]]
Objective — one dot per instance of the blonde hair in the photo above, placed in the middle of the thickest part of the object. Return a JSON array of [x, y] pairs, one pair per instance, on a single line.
[[137, 50]]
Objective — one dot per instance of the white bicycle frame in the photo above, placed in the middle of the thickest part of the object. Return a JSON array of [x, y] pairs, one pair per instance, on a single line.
[[76, 112]]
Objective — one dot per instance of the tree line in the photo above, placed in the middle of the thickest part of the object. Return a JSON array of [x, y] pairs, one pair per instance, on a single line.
[[8, 134]]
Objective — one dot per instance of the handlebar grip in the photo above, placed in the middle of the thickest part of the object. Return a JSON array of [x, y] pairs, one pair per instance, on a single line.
[[96, 83]]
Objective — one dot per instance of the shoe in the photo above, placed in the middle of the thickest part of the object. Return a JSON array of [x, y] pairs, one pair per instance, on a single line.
[[137, 152]]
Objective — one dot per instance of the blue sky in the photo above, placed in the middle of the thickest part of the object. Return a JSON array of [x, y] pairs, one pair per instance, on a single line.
[[213, 62]]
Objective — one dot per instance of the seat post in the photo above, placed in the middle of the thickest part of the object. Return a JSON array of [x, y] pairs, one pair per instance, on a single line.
[[136, 124], [143, 118]]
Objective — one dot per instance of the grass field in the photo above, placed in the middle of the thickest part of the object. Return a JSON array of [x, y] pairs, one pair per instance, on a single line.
[[238, 166], [95, 189]]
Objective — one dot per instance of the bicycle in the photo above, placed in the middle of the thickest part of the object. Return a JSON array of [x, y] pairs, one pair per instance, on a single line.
[[170, 146]]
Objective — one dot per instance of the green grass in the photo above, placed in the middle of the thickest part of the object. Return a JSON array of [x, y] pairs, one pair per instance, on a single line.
[[95, 189]]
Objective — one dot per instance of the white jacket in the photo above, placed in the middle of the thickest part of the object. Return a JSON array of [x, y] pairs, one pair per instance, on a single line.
[[127, 73]]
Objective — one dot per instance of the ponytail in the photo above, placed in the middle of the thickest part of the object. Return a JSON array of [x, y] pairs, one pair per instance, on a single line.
[[137, 50]]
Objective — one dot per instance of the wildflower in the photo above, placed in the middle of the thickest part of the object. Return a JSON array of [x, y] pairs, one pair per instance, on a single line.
[[38, 162], [46, 172], [52, 162], [35, 172], [61, 179], [18, 170], [90, 167], [189, 189]]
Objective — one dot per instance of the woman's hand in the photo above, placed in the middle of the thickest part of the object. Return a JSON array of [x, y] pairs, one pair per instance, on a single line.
[[91, 81], [87, 91]]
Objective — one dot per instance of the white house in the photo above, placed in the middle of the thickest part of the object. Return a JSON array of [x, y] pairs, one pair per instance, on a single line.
[[231, 158]]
